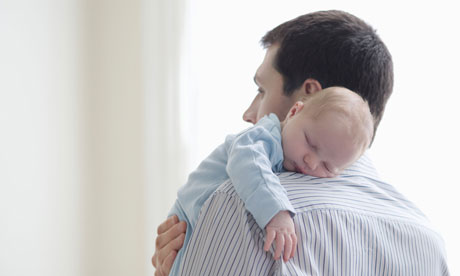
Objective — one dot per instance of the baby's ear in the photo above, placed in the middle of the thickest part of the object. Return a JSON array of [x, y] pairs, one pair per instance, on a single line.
[[296, 108]]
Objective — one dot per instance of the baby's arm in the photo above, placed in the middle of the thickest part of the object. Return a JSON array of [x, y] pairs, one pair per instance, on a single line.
[[249, 166]]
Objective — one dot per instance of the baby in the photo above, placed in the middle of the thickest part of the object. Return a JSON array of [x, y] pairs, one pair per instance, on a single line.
[[320, 136]]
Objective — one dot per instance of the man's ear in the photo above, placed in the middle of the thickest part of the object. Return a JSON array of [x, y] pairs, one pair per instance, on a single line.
[[310, 86]]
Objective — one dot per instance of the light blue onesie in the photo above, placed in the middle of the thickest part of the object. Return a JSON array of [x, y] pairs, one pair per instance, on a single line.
[[249, 159]]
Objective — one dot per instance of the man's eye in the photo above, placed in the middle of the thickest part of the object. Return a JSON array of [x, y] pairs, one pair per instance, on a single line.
[[260, 90]]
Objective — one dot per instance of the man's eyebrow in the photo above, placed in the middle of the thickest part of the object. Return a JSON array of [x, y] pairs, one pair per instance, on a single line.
[[255, 79]]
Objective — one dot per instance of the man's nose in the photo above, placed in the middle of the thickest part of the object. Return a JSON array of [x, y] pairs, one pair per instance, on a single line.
[[311, 160], [249, 115]]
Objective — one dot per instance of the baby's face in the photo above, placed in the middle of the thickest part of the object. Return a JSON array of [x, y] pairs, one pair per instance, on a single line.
[[317, 147]]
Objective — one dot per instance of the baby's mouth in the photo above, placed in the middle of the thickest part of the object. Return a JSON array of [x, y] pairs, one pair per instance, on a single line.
[[298, 169]]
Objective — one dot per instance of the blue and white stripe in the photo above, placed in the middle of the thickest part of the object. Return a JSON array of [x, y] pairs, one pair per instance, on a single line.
[[354, 224]]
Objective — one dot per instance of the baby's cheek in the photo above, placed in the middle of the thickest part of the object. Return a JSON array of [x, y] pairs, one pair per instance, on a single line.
[[286, 165]]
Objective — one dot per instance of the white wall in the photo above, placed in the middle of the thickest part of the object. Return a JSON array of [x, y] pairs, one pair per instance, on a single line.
[[416, 148], [165, 142], [72, 181], [114, 224], [39, 138]]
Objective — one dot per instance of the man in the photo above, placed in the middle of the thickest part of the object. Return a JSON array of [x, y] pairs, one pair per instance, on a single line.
[[352, 224]]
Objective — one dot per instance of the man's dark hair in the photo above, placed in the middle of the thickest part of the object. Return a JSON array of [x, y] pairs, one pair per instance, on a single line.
[[336, 49]]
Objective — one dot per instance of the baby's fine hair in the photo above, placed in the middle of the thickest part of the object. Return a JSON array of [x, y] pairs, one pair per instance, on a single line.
[[353, 110]]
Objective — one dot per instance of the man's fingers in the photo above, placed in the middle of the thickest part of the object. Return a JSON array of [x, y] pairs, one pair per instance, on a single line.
[[173, 245], [279, 246], [177, 243], [168, 223], [170, 239], [269, 239], [165, 264], [172, 233], [154, 260], [168, 262], [287, 247]]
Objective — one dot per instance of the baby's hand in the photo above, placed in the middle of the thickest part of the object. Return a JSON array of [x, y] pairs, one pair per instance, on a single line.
[[281, 228]]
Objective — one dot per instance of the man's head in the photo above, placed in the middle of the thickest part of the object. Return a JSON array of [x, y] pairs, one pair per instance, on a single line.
[[326, 132], [319, 50]]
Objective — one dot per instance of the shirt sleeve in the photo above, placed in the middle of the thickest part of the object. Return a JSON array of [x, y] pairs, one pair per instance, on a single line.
[[251, 157]]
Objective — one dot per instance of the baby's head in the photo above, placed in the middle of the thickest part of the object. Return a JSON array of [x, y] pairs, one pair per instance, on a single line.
[[326, 132]]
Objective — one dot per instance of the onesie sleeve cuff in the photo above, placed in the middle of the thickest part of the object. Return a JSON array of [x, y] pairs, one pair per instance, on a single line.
[[264, 204]]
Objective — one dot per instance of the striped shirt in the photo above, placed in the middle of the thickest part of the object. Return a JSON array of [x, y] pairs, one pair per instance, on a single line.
[[354, 224]]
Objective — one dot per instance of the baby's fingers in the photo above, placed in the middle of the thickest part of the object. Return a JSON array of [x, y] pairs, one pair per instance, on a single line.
[[294, 245], [287, 248], [279, 246], [269, 239]]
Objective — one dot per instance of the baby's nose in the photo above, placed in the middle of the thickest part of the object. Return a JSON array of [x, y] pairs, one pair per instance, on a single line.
[[311, 161]]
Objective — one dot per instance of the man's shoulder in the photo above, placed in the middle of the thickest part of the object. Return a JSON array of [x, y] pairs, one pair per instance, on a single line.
[[358, 215], [358, 190]]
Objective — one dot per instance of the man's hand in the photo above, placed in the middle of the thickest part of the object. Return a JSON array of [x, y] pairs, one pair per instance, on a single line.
[[281, 228], [171, 235]]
